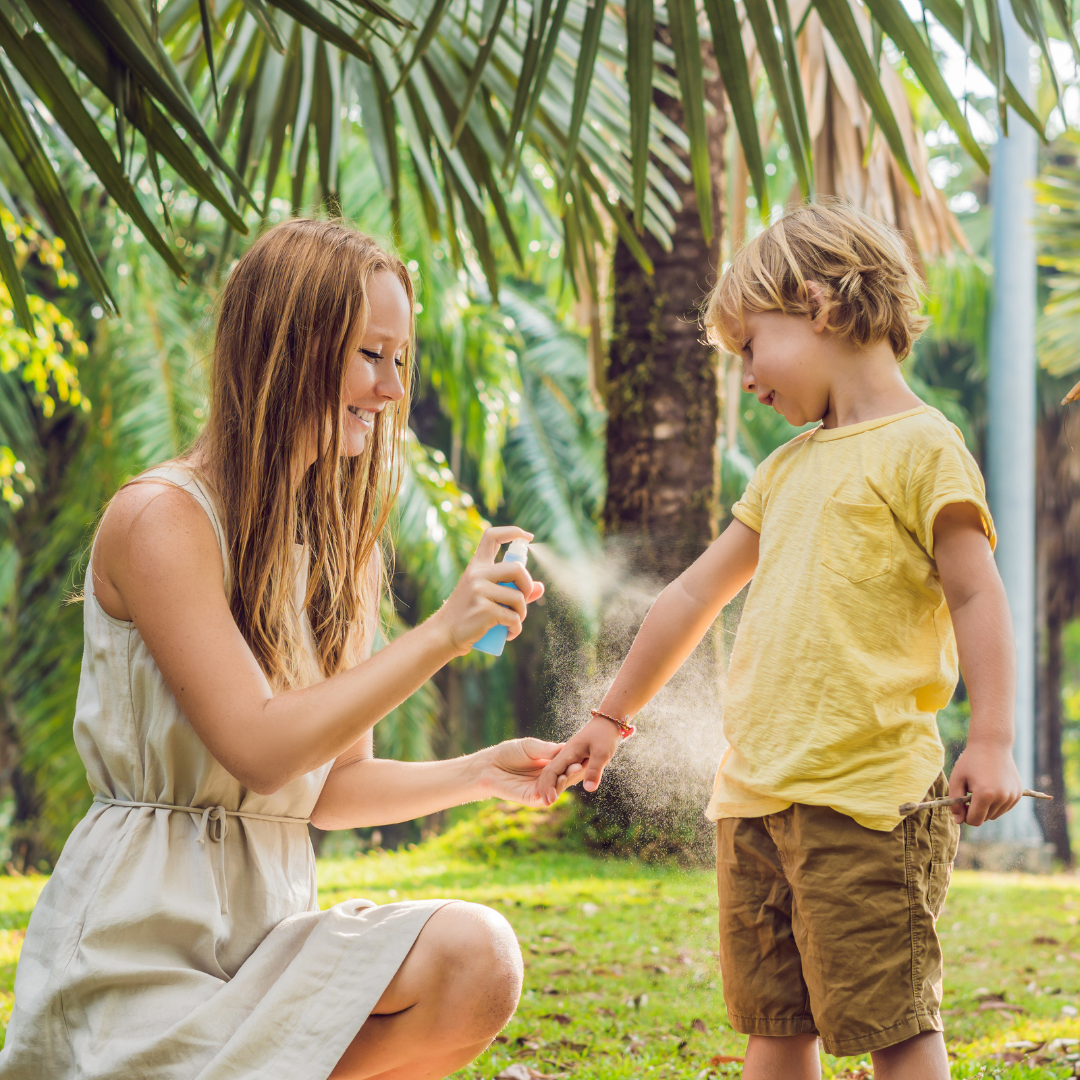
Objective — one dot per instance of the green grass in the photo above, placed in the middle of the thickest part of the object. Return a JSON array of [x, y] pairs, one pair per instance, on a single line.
[[621, 970]]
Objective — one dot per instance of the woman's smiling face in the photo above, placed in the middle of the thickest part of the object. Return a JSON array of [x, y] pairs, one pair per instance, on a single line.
[[373, 378]]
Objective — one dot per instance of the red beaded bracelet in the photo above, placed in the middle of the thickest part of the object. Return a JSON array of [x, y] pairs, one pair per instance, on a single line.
[[625, 729]]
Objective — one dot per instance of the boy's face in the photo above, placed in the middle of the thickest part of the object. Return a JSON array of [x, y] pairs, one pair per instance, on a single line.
[[785, 364]]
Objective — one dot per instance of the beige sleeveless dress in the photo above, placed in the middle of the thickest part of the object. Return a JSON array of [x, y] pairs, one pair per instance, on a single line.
[[183, 941]]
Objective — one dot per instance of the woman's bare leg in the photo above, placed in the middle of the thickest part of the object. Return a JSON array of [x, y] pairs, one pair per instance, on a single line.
[[455, 991]]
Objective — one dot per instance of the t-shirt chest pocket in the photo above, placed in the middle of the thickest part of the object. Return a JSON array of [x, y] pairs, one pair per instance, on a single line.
[[857, 539]]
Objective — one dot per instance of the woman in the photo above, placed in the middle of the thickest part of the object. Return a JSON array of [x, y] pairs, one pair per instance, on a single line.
[[227, 698]]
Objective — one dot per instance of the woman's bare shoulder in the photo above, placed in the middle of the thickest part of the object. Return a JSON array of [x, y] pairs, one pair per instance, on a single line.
[[149, 525]]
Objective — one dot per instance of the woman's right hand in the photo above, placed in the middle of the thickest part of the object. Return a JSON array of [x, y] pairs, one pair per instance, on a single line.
[[479, 602]]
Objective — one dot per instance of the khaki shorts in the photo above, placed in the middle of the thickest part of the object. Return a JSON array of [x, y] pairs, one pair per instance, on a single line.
[[829, 928]]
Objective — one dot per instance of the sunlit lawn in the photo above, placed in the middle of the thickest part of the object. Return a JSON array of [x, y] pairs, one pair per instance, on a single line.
[[621, 971]]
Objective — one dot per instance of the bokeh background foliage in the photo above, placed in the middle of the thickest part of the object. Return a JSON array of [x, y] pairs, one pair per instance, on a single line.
[[550, 170]]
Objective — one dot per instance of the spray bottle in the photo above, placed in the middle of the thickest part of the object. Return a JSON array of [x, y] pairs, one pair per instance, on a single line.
[[495, 639]]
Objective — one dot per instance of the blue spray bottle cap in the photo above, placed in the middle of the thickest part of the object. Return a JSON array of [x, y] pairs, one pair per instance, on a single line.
[[494, 640]]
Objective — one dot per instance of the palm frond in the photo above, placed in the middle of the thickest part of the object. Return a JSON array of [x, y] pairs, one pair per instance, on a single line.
[[461, 91]]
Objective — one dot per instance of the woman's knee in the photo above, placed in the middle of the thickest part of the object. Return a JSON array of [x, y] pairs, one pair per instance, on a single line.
[[481, 961]]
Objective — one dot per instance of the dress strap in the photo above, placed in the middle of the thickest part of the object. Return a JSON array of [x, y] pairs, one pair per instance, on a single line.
[[213, 823]]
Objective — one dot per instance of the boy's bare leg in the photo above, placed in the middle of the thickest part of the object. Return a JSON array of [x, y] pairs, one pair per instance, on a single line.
[[922, 1057], [793, 1057]]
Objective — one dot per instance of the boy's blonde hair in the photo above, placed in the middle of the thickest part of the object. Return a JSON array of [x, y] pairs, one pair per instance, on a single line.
[[870, 287]]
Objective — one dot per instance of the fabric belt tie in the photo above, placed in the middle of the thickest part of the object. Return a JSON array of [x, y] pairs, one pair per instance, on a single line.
[[213, 823]]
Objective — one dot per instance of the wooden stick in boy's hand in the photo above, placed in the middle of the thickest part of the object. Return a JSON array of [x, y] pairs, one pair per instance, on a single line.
[[958, 800]]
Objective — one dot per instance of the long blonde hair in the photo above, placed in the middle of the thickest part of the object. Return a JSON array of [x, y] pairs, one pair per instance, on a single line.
[[290, 319]]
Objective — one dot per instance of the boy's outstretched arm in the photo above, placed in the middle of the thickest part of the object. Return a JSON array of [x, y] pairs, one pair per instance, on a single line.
[[676, 622], [984, 638]]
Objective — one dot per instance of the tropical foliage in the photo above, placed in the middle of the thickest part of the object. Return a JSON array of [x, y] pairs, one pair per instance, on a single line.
[[501, 146], [227, 95], [503, 394]]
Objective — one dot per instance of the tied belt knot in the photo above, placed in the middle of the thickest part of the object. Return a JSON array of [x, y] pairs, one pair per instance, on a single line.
[[213, 825]]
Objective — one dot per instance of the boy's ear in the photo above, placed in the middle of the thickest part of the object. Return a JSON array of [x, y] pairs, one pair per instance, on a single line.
[[816, 296]]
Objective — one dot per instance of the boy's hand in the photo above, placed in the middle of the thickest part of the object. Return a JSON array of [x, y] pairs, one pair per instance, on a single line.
[[989, 772], [592, 748]]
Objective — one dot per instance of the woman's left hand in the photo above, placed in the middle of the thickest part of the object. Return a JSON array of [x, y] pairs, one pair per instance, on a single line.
[[514, 768]]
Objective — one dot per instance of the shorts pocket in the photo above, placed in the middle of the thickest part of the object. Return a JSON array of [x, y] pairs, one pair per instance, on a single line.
[[944, 838], [938, 887], [857, 539]]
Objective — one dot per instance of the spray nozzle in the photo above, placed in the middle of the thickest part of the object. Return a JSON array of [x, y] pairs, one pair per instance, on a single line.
[[518, 550]]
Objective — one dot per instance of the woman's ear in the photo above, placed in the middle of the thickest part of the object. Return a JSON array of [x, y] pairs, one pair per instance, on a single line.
[[815, 294]]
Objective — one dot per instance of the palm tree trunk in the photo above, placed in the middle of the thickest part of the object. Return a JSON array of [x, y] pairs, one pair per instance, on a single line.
[[1049, 761], [662, 463], [662, 390], [1058, 601]]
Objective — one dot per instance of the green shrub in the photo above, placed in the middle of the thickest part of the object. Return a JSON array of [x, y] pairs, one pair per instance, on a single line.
[[499, 829]]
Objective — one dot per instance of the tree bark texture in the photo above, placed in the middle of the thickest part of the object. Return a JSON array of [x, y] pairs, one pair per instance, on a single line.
[[662, 507], [1058, 601], [662, 391]]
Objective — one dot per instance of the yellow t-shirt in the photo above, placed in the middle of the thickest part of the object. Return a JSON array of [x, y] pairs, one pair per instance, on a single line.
[[845, 649]]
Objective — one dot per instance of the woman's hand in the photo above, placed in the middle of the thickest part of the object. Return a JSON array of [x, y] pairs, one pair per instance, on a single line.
[[479, 602], [513, 769]]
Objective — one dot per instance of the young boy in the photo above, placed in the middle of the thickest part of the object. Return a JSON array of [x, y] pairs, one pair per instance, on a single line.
[[869, 543]]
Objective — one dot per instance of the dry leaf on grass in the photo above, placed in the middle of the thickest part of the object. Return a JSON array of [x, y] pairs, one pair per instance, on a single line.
[[697, 1024], [559, 1018], [724, 1059], [565, 950], [523, 1072], [859, 1072], [1000, 1006], [1042, 939]]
